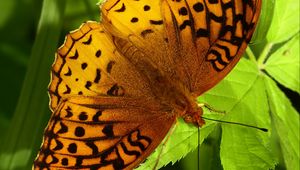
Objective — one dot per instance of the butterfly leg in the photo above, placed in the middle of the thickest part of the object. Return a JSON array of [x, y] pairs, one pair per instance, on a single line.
[[164, 144], [210, 108]]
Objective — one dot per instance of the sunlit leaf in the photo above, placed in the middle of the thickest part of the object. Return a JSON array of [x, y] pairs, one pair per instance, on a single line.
[[285, 21], [242, 96], [284, 65], [286, 121]]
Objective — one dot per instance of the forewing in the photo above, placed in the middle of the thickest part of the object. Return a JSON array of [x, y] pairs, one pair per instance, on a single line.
[[212, 35], [139, 34], [104, 113], [88, 64], [194, 41]]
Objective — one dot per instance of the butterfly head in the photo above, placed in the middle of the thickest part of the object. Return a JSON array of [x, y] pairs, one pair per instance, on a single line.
[[194, 117]]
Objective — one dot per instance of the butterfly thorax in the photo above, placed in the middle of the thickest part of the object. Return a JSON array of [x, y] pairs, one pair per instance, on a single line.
[[176, 98], [192, 112], [186, 106]]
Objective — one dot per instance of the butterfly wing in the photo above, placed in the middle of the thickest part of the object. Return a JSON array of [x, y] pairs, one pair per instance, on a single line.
[[100, 118], [139, 34], [195, 41], [212, 35], [88, 64], [101, 133]]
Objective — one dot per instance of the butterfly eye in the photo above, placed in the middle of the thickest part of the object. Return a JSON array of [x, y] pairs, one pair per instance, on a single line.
[[188, 118]]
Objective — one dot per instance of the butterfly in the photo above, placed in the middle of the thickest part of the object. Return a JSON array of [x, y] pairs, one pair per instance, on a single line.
[[118, 86]]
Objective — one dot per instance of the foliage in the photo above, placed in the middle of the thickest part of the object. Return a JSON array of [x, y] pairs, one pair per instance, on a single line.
[[250, 95], [254, 93]]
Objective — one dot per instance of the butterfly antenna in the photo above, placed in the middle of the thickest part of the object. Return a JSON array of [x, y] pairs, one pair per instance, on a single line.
[[198, 156], [236, 123]]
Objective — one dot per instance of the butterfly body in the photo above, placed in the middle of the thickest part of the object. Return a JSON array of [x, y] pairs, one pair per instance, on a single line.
[[181, 102], [117, 87]]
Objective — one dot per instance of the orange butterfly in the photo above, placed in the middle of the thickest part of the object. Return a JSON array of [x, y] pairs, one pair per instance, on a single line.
[[119, 86]]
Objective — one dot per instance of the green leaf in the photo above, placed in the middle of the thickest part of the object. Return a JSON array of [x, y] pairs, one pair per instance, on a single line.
[[4, 124], [247, 148], [24, 135], [286, 121], [208, 156], [285, 22], [284, 65], [238, 94], [265, 19], [6, 12], [179, 144]]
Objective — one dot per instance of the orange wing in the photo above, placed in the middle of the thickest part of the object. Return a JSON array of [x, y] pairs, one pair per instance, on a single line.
[[107, 90], [194, 41], [212, 36], [88, 64], [104, 112], [101, 133]]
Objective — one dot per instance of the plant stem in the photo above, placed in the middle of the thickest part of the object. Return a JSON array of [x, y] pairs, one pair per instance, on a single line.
[[251, 55], [263, 56]]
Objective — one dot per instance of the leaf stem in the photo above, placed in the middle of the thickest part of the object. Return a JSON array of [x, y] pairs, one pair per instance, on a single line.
[[250, 54], [263, 56]]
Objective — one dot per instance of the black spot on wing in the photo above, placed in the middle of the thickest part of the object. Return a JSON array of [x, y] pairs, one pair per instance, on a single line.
[[108, 130], [109, 66], [75, 55], [98, 53], [98, 76], [83, 116], [134, 20], [88, 85], [78, 161], [145, 32], [65, 161], [54, 160], [97, 115], [129, 152], [185, 24], [94, 148], [69, 113], [122, 9], [183, 11], [219, 19], [88, 42], [84, 66], [147, 8], [116, 90], [198, 7], [213, 1], [58, 146], [68, 90], [63, 128], [202, 33], [79, 131], [72, 148], [69, 73], [156, 22]]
